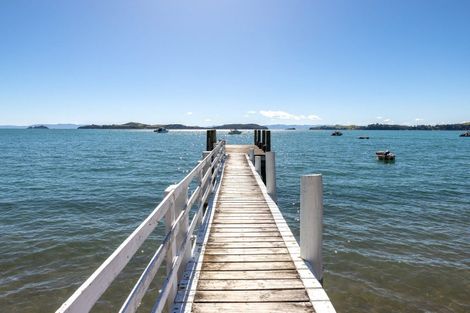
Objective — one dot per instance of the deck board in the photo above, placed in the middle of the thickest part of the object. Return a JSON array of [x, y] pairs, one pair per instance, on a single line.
[[265, 307]]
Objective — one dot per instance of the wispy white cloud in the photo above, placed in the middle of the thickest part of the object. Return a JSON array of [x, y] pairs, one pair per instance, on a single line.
[[385, 120], [313, 117], [208, 120], [189, 113], [251, 112], [418, 119], [282, 115]]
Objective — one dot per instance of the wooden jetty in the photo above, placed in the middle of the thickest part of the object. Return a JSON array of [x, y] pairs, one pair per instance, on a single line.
[[236, 254]]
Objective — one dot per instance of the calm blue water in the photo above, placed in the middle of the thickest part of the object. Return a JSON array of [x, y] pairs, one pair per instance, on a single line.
[[397, 236]]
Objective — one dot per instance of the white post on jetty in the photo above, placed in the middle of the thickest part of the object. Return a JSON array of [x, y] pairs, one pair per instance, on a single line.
[[271, 174], [204, 155], [179, 204], [251, 155], [170, 218], [311, 222], [258, 164]]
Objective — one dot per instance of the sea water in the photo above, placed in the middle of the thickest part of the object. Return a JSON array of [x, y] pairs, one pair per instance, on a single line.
[[396, 235]]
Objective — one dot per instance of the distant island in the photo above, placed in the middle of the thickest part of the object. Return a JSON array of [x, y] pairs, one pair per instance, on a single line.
[[240, 126], [38, 127], [461, 126], [133, 125]]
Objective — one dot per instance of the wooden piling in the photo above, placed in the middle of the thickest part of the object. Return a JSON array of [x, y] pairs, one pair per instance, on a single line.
[[211, 139], [251, 155], [258, 164], [268, 140], [271, 175], [258, 138], [255, 137], [311, 222], [263, 140]]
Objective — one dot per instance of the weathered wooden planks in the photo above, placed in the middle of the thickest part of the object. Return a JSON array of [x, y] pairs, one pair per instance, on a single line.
[[264, 307], [246, 265], [243, 239], [250, 284], [272, 274], [244, 244], [251, 266], [285, 295], [245, 234], [245, 258], [245, 251]]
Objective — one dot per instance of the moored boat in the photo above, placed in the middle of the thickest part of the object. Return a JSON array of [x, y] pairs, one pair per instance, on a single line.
[[234, 132], [466, 134], [385, 156], [337, 133], [161, 130], [364, 137]]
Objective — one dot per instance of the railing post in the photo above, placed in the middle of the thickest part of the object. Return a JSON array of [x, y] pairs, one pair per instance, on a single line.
[[177, 207], [171, 254], [203, 186], [207, 164], [311, 222], [180, 205], [271, 175], [251, 155], [258, 164]]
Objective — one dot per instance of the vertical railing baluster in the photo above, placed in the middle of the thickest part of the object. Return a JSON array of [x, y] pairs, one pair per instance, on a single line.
[[171, 254], [182, 201]]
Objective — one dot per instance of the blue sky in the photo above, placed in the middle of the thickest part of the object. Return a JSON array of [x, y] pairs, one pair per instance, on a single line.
[[212, 62]]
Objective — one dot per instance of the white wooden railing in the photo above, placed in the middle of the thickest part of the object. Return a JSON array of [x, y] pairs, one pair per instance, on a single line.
[[175, 250]]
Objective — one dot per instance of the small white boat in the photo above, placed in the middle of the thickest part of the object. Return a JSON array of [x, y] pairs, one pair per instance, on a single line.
[[161, 130], [234, 132]]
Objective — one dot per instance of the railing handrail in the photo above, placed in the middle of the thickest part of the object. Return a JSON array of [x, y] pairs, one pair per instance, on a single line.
[[84, 298]]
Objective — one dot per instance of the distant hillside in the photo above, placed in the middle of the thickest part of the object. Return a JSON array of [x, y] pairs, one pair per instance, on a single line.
[[240, 126], [133, 125], [61, 126], [287, 126], [181, 126], [38, 127], [461, 126], [50, 126]]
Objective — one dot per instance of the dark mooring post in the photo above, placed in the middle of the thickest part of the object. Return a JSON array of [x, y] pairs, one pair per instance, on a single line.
[[255, 141], [263, 141], [258, 137], [268, 141], [211, 139]]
